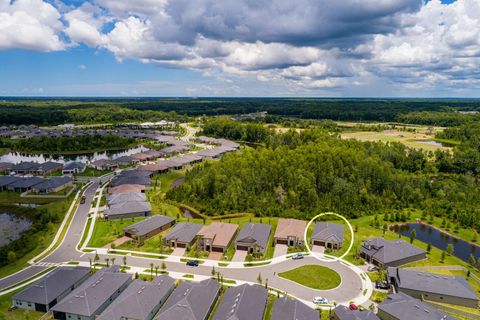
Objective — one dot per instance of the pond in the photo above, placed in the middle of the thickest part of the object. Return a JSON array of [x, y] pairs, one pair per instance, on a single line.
[[11, 228], [439, 239], [16, 157]]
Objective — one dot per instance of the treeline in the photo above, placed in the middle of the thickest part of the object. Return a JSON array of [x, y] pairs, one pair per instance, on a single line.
[[300, 175], [236, 130], [73, 144], [443, 119]]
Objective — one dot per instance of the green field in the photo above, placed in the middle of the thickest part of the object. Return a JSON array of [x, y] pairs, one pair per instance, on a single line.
[[313, 276]]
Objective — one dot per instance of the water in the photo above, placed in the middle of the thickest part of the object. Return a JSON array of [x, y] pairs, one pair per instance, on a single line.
[[11, 228], [440, 240], [16, 157]]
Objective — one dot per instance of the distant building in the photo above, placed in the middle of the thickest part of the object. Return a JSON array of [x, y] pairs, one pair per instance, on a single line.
[[24, 184], [328, 235], [5, 167], [149, 227], [253, 237], [242, 302], [217, 236], [5, 181], [73, 168], [104, 164], [290, 232], [126, 160], [183, 235], [344, 313], [390, 253], [53, 185], [24, 167], [47, 167], [286, 308]]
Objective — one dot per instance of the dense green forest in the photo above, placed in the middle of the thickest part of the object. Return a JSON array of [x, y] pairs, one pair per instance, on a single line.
[[302, 174], [236, 130]]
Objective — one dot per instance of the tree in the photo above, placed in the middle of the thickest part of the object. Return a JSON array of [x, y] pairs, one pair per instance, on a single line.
[[259, 278], [11, 256], [429, 247], [442, 257], [472, 260], [151, 270], [164, 266], [385, 227], [266, 283], [450, 249], [475, 236], [124, 260], [107, 260], [113, 261], [156, 271], [213, 271], [413, 235]]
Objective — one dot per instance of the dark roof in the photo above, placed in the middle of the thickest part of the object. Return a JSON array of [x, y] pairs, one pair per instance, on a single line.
[[51, 286], [25, 166], [254, 233], [74, 165], [117, 181], [286, 308], [128, 207], [402, 306], [325, 231], [143, 227], [49, 165], [190, 300], [242, 302], [344, 313], [387, 251], [93, 293], [126, 197], [5, 165], [139, 300], [125, 159], [26, 182], [433, 283], [6, 180], [183, 232], [53, 183]]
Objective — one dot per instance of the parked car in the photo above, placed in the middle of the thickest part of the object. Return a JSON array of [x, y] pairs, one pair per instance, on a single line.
[[372, 268], [320, 300], [382, 285], [192, 263], [353, 306], [297, 256]]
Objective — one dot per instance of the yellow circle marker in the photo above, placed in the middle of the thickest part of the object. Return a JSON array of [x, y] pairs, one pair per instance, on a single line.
[[314, 254]]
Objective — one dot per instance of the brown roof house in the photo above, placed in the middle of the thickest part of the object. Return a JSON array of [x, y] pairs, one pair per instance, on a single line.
[[290, 232], [217, 236]]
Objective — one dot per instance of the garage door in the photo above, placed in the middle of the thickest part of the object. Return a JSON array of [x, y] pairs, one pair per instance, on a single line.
[[244, 248], [217, 249], [282, 241], [181, 245], [319, 243]]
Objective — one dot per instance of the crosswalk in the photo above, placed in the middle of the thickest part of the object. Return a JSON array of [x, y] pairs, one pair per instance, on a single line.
[[46, 264]]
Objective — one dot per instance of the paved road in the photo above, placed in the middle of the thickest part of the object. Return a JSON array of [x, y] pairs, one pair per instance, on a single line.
[[20, 276]]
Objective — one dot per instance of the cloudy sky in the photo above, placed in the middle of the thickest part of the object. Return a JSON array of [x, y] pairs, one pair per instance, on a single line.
[[379, 48]]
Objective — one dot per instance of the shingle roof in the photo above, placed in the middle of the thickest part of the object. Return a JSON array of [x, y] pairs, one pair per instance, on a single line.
[[126, 188], [49, 165], [143, 227], [190, 301], [117, 181], [254, 233], [74, 165], [344, 313], [126, 197], [242, 302], [26, 182], [53, 183], [51, 286], [403, 306], [183, 232], [221, 232], [25, 166], [433, 283], [286, 308], [325, 231], [128, 207], [290, 227], [387, 251], [6, 180], [139, 299]]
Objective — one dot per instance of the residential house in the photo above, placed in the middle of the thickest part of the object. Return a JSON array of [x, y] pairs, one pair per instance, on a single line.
[[290, 232], [344, 313], [104, 164], [286, 308], [191, 300], [217, 236], [183, 234], [128, 210], [401, 307], [24, 167], [328, 235], [141, 300], [5, 167], [149, 227], [433, 287], [126, 188], [390, 253], [125, 197], [43, 294], [47, 167], [126, 161], [53, 185], [73, 168], [24, 184], [244, 302], [253, 237], [93, 296], [141, 157], [154, 168], [5, 181]]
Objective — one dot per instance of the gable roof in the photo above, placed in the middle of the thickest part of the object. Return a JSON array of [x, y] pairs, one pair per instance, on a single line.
[[387, 251], [139, 299], [344, 313], [125, 197], [290, 227], [128, 207], [190, 300], [325, 231], [286, 308], [242, 302], [126, 188], [221, 232], [143, 227], [6, 180], [26, 182], [53, 183], [74, 165], [51, 286], [49, 165], [27, 165], [183, 232], [254, 233]]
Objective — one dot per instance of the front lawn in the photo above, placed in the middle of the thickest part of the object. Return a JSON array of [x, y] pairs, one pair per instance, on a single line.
[[313, 276], [106, 231]]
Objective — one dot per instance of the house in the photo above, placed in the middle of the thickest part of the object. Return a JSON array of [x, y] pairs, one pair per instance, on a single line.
[[5, 167], [24, 167], [46, 292], [328, 235], [242, 302], [344, 313], [126, 160], [212, 154], [401, 306], [141, 300], [253, 237], [5, 181], [216, 236], [390, 253], [191, 300], [286, 308], [154, 168], [173, 150], [125, 197], [182, 235], [290, 232], [73, 168], [24, 184], [93, 296], [149, 227], [128, 210], [126, 188], [433, 287], [131, 179], [104, 164], [53, 185], [153, 154], [141, 157], [47, 167]]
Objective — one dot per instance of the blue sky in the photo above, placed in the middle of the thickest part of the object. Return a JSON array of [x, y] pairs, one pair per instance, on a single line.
[[240, 48]]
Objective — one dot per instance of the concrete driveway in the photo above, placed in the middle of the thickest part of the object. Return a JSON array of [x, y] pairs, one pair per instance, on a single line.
[[319, 249], [280, 250], [178, 252], [239, 255]]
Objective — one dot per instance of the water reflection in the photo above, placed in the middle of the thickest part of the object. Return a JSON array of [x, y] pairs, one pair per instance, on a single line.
[[11, 228]]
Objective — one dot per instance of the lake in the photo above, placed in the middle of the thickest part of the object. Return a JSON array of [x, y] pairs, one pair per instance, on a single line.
[[440, 240], [12, 227], [17, 157]]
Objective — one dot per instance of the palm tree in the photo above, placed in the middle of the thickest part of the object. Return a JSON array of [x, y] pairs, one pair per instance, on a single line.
[[113, 261], [124, 260], [151, 270], [107, 261], [164, 266], [156, 271]]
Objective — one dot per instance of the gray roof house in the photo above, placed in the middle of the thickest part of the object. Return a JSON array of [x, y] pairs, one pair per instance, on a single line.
[[149, 227], [5, 166], [433, 287], [141, 300], [130, 179], [244, 302], [390, 253], [46, 292], [402, 307], [93, 296], [126, 197], [5, 181], [73, 168], [53, 185], [253, 237], [191, 300], [286, 308], [48, 167], [328, 235], [344, 313], [183, 234], [24, 167], [128, 209], [24, 184]]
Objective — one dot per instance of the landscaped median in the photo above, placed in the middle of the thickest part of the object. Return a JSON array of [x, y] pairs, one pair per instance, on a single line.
[[313, 276]]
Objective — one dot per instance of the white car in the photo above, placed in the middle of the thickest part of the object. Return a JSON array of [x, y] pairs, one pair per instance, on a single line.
[[320, 300]]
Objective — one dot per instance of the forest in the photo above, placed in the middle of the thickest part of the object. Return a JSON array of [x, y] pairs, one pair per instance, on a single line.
[[302, 174], [236, 130]]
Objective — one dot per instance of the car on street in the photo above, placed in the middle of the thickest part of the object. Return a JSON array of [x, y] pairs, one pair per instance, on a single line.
[[353, 306], [320, 300], [297, 256], [192, 263], [382, 285]]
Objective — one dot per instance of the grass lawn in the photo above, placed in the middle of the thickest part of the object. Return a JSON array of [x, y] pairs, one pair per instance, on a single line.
[[92, 172], [106, 231], [17, 314], [11, 197], [149, 245], [378, 296], [268, 309], [313, 276]]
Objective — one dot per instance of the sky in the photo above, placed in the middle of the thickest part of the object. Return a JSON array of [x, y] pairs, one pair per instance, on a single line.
[[241, 48]]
